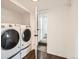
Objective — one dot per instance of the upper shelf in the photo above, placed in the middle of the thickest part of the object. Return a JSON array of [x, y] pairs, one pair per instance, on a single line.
[[10, 4]]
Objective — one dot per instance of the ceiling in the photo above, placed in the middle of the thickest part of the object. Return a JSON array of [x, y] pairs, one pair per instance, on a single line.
[[29, 4], [24, 4], [49, 4], [42, 4]]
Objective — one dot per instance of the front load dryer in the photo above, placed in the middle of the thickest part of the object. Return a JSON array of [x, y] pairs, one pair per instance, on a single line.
[[10, 41], [25, 40]]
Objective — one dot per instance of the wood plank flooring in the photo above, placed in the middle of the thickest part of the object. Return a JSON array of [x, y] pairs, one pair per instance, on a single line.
[[31, 55]]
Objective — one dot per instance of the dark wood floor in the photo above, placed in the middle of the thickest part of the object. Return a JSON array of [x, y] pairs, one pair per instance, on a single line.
[[54, 57], [31, 55]]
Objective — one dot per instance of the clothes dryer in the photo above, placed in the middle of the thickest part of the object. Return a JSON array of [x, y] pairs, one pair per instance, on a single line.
[[25, 40], [10, 41]]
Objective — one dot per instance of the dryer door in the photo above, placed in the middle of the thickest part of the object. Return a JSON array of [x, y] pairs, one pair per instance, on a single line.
[[9, 39], [26, 35]]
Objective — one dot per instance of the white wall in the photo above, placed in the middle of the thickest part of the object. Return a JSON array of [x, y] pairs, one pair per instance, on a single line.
[[8, 16], [11, 16], [62, 31], [57, 31], [72, 51]]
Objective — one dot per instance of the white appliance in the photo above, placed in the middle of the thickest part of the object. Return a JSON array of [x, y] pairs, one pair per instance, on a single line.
[[25, 40], [10, 41]]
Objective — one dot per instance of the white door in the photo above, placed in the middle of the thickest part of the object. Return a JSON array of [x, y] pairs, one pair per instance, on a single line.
[[42, 36]]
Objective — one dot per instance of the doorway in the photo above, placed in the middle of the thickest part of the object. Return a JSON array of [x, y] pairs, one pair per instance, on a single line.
[[42, 36]]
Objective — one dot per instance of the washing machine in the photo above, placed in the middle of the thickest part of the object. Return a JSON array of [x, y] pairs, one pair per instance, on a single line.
[[10, 41], [25, 40]]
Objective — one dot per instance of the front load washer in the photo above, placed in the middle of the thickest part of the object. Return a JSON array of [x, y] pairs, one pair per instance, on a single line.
[[25, 40], [10, 41]]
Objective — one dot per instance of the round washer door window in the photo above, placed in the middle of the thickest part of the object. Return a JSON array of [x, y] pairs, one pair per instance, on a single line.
[[26, 35], [9, 39]]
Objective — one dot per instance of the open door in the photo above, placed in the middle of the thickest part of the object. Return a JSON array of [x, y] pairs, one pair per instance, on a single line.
[[42, 36]]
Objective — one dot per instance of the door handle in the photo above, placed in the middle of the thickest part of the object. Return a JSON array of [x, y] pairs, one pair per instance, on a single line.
[[35, 35], [38, 29]]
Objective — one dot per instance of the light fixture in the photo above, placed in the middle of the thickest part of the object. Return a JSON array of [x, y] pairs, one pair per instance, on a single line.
[[34, 0]]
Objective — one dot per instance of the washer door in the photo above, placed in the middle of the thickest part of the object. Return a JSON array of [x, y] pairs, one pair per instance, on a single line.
[[26, 35], [9, 39]]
